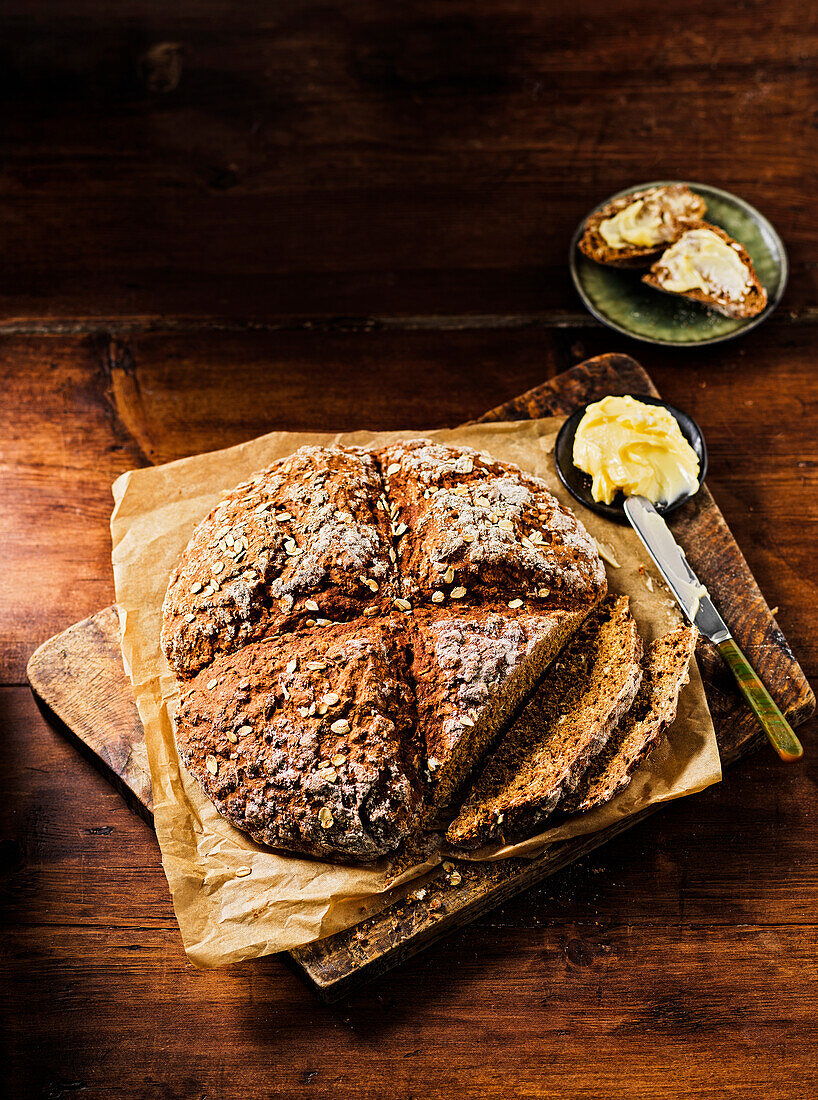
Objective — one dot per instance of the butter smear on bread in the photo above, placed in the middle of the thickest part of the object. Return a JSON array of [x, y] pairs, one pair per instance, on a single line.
[[625, 444], [647, 222], [701, 260]]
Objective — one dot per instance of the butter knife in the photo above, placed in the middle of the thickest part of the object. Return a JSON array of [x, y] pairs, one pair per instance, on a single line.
[[694, 600]]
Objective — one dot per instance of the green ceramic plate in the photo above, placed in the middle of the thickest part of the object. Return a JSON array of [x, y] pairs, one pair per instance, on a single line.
[[621, 301]]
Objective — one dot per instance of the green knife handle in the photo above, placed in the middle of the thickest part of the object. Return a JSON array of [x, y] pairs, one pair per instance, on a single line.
[[779, 732]]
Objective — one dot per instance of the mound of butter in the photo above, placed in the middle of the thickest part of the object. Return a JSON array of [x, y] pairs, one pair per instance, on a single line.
[[625, 444]]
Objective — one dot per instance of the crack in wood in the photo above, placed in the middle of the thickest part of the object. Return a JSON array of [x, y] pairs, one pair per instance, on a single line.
[[113, 327], [123, 396]]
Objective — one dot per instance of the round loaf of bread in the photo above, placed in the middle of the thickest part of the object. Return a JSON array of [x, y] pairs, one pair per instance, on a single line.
[[334, 622]]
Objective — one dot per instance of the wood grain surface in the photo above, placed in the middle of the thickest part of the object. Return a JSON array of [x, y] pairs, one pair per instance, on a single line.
[[79, 676], [222, 219], [228, 161]]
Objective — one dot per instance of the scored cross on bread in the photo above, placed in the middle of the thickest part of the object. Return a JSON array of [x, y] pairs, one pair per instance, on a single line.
[[420, 542]]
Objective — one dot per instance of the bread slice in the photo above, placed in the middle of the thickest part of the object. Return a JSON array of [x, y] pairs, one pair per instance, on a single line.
[[567, 722], [730, 295], [666, 671], [473, 671], [669, 209]]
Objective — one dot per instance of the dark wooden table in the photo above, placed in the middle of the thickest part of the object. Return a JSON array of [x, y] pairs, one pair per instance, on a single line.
[[221, 219]]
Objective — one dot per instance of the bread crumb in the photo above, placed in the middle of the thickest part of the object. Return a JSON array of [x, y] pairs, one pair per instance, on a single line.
[[607, 554]]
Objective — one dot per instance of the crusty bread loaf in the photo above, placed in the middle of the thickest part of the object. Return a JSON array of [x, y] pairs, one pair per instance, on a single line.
[[392, 556], [665, 672], [749, 303], [674, 205], [308, 741], [565, 724]]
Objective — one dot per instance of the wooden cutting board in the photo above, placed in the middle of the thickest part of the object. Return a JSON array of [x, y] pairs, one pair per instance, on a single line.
[[79, 676]]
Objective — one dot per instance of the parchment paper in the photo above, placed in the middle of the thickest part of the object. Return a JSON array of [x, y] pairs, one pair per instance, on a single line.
[[286, 901]]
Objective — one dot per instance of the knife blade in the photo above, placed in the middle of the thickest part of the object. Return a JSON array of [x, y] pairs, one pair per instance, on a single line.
[[695, 602], [690, 593]]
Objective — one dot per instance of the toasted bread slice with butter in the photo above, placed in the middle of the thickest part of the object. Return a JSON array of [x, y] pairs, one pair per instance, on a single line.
[[707, 265], [634, 230]]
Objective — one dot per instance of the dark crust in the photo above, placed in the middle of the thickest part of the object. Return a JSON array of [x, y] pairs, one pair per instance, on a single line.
[[666, 671], [459, 531], [230, 636], [565, 724], [753, 303], [268, 781], [592, 245], [332, 494]]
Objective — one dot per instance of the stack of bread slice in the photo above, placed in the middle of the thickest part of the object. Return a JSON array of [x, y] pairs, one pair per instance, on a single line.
[[596, 715]]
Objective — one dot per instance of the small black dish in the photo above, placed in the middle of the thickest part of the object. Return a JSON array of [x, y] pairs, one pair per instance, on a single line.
[[578, 483]]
